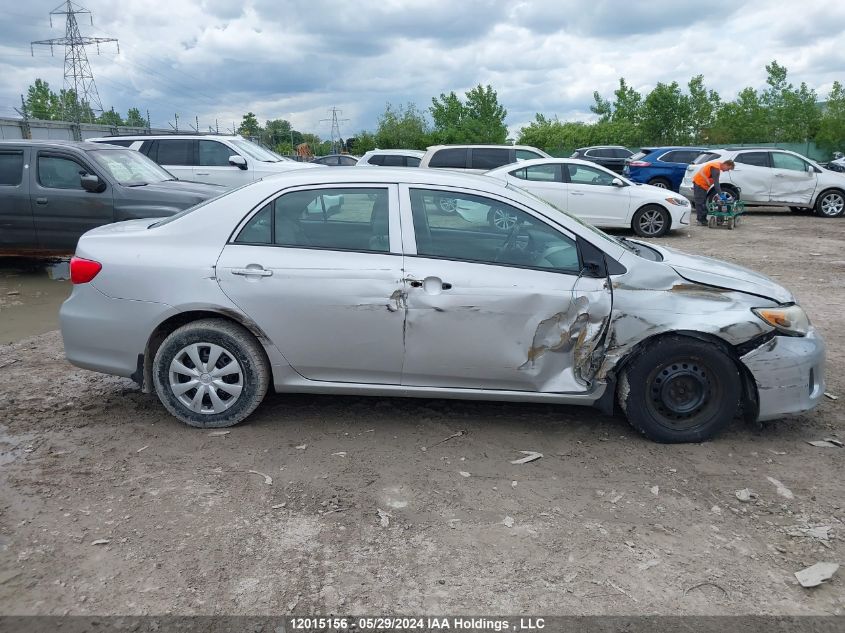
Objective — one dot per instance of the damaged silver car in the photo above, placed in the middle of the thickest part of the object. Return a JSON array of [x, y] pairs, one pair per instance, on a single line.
[[351, 281]]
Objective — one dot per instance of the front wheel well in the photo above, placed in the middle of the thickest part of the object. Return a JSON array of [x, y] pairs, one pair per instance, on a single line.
[[749, 387], [169, 325]]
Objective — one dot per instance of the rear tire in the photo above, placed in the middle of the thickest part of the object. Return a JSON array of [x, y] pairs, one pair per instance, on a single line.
[[651, 221], [680, 389], [211, 373], [831, 204], [660, 182]]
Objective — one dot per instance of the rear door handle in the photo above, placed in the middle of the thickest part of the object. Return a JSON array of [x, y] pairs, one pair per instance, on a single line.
[[201, 173], [252, 272], [41, 201], [577, 193]]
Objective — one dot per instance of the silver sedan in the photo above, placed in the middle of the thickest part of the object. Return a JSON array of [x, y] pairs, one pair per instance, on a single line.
[[350, 281]]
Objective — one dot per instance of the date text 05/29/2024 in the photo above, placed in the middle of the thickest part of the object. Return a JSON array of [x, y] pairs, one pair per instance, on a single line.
[[414, 623]]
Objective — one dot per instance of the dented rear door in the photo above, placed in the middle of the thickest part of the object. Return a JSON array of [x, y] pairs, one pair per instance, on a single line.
[[486, 314]]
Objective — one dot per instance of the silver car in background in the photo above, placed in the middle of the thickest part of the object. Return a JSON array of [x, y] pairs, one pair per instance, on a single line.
[[387, 295]]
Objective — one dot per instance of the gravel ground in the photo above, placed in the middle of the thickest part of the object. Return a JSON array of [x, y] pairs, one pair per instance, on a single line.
[[363, 505]]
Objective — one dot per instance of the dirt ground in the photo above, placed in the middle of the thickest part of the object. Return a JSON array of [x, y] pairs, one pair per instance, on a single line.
[[110, 506]]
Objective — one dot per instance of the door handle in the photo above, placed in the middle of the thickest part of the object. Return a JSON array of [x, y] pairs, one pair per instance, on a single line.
[[252, 272], [577, 193], [201, 173], [446, 286], [414, 283], [41, 201]]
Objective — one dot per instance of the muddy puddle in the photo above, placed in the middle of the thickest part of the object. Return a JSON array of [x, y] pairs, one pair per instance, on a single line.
[[31, 291]]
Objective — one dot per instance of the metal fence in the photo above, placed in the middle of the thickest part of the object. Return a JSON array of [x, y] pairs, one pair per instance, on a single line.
[[13, 129]]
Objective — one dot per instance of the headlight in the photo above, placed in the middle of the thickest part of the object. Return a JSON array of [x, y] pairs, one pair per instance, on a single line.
[[790, 320], [679, 202]]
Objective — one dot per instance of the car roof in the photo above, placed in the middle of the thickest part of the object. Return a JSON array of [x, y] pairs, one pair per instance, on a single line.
[[602, 147], [157, 137], [402, 152], [545, 161], [674, 147], [81, 145], [479, 145]]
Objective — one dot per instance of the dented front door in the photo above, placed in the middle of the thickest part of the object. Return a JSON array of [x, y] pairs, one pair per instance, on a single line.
[[503, 324]]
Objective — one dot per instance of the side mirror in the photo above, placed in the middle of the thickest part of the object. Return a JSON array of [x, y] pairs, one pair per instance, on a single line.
[[237, 161], [92, 183], [617, 182]]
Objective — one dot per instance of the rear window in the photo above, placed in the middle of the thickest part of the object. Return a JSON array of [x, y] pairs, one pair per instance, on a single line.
[[455, 157], [11, 168], [640, 155], [490, 158]]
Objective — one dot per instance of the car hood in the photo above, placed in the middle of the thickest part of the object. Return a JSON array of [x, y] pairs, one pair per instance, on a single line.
[[190, 189], [715, 272]]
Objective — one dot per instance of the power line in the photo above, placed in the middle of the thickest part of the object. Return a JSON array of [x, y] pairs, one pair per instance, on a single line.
[[78, 75], [337, 141]]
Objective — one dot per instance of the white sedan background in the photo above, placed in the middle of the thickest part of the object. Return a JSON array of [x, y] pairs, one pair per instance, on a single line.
[[597, 195]]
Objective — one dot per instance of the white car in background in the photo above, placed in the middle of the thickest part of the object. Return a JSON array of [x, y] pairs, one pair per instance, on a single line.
[[231, 161], [772, 177], [391, 158], [596, 195]]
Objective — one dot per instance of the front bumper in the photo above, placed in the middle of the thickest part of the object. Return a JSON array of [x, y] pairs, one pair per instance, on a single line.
[[789, 374]]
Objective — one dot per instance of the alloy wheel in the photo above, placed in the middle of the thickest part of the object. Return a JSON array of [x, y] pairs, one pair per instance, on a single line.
[[652, 222], [832, 204]]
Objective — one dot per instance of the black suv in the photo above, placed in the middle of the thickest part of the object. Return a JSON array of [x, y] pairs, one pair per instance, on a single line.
[[610, 156], [51, 192]]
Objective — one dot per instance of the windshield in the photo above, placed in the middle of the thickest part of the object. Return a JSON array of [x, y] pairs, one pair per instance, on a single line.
[[255, 151], [130, 168]]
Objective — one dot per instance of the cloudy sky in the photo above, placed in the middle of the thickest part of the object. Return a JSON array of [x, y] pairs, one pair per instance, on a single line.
[[216, 59]]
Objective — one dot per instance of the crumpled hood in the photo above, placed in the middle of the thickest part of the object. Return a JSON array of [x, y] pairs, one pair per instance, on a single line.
[[715, 272]]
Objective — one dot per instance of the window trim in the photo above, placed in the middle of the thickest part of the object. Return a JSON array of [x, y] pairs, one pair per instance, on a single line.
[[11, 151], [394, 234]]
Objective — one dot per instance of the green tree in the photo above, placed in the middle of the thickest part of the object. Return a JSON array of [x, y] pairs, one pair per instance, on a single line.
[[275, 132], [743, 120], [601, 107], [703, 107], [134, 118], [448, 115], [41, 102], [831, 134], [403, 127], [627, 103], [110, 117], [665, 115], [485, 116], [360, 143], [249, 126]]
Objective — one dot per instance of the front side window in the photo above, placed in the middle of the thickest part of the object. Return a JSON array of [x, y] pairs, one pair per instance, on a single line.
[[175, 152], [60, 173], [454, 157], [583, 175], [11, 169], [758, 159], [338, 218], [527, 154], [490, 232], [539, 173], [214, 154], [129, 168], [788, 161]]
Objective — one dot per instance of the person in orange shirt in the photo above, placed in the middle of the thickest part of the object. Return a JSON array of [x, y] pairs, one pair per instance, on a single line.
[[706, 177]]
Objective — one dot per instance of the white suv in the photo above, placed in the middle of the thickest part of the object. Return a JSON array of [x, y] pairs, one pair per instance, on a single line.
[[391, 158], [774, 177], [477, 158], [221, 160]]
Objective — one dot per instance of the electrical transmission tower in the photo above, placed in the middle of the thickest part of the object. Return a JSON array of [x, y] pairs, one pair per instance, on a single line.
[[78, 75], [337, 141]]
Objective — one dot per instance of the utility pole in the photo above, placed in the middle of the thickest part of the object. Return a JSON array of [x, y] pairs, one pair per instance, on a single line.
[[337, 141], [78, 75], [148, 120]]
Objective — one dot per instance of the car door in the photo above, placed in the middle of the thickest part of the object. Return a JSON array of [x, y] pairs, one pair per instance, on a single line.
[[62, 210], [544, 181], [753, 174], [793, 181], [214, 166], [319, 270], [494, 310], [178, 156], [17, 226], [592, 196]]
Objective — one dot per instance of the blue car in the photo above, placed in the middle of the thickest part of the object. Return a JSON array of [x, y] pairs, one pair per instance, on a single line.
[[661, 166]]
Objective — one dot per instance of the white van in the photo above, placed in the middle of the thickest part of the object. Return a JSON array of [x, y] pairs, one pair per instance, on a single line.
[[221, 160], [477, 158]]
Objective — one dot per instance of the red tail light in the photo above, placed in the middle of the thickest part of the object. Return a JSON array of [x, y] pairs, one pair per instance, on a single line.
[[639, 163], [83, 270]]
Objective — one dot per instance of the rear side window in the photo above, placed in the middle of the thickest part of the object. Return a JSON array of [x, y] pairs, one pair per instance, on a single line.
[[11, 168], [214, 154], [525, 154], [539, 173], [679, 156], [338, 219], [599, 153], [758, 159], [621, 152], [706, 157], [490, 158], [393, 160], [454, 157], [412, 161], [378, 159], [147, 149], [175, 152]]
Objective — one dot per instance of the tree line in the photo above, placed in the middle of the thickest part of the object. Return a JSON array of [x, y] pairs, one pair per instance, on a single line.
[[43, 103]]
